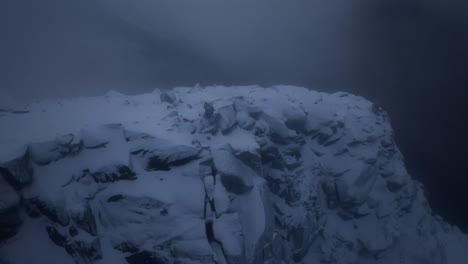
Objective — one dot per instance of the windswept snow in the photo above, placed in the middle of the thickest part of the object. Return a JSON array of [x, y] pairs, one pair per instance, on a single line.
[[212, 175]]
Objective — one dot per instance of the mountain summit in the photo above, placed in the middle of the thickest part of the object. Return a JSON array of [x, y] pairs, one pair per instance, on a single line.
[[212, 175]]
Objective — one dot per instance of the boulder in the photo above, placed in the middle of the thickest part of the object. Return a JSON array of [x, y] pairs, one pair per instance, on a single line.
[[295, 119], [165, 158], [354, 186], [225, 118], [18, 171], [235, 175], [278, 131]]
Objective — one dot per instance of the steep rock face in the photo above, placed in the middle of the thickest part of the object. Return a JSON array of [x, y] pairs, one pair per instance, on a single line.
[[213, 175]]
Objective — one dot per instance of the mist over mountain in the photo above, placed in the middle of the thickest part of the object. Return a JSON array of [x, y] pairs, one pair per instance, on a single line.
[[411, 57]]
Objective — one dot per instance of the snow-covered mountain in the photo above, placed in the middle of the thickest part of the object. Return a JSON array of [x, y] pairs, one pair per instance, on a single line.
[[212, 175]]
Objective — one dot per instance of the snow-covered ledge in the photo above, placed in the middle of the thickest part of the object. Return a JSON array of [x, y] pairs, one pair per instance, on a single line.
[[212, 175]]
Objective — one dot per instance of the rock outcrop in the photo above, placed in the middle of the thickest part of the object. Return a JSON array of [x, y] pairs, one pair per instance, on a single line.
[[214, 175]]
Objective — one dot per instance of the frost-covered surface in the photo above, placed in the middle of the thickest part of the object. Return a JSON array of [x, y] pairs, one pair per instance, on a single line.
[[212, 175]]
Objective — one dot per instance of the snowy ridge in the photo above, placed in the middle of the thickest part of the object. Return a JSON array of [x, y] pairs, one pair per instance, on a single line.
[[212, 175]]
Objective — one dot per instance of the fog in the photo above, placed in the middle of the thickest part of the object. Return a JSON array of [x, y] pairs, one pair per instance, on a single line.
[[410, 56]]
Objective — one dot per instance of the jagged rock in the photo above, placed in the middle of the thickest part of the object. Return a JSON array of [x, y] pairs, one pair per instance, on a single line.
[[295, 119], [209, 111], [225, 118], [295, 176], [112, 174], [164, 159], [244, 120], [81, 251], [255, 112], [45, 152], [85, 220], [352, 189], [167, 97], [18, 171], [127, 247], [235, 176], [85, 252], [270, 153], [54, 214], [54, 235], [279, 132], [251, 159]]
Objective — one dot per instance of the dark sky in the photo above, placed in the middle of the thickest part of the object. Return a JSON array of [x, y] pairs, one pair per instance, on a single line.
[[410, 56]]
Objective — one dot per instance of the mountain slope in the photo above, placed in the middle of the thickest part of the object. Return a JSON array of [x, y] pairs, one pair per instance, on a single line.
[[213, 175]]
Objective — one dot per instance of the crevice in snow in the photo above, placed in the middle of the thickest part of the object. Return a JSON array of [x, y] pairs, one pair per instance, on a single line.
[[209, 214]]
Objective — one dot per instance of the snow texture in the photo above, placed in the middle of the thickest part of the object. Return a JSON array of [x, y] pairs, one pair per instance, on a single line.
[[212, 175]]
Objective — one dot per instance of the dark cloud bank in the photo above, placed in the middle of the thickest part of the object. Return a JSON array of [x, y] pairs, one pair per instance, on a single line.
[[410, 56]]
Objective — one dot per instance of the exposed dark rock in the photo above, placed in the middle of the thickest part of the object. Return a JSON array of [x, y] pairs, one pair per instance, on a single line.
[[127, 247], [333, 188], [236, 177], [85, 252], [251, 159], [329, 188], [18, 172], [156, 163], [163, 212], [46, 152], [234, 184], [72, 231], [255, 112], [86, 221], [173, 156], [279, 132], [146, 257], [274, 185], [82, 252], [113, 174], [291, 195], [167, 97], [209, 111], [54, 235], [270, 153], [20, 111], [115, 198], [394, 184], [225, 118], [54, 214], [245, 121], [31, 209], [295, 120]]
